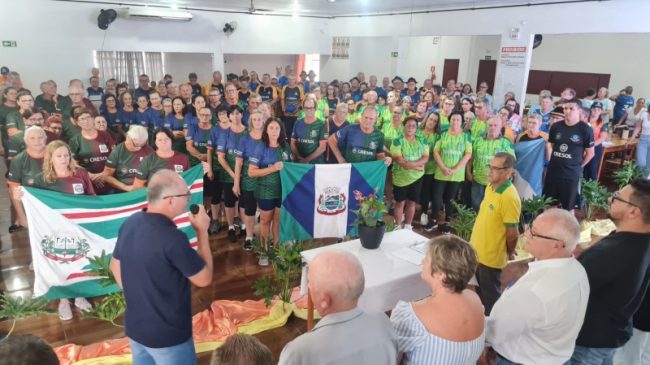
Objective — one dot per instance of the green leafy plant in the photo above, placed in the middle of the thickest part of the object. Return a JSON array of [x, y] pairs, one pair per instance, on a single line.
[[113, 305], [371, 210], [287, 266], [595, 196], [463, 222], [18, 307], [627, 173], [109, 309], [532, 207]]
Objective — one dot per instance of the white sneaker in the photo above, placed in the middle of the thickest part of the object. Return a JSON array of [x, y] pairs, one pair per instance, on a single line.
[[424, 219], [263, 261], [65, 312], [408, 226], [83, 304]]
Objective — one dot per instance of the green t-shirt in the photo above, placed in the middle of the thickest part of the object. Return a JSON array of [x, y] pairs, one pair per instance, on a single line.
[[199, 138], [126, 163], [69, 130], [16, 144], [308, 138], [479, 128], [390, 133], [228, 144], [444, 123], [452, 148], [482, 152], [430, 139], [92, 154], [14, 120], [410, 151], [152, 164], [24, 168], [4, 111]]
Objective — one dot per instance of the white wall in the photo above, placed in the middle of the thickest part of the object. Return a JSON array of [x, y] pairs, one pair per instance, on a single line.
[[256, 62], [61, 46], [372, 55], [179, 65]]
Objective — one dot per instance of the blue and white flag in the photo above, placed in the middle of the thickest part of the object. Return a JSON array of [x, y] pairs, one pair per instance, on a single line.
[[317, 199], [529, 167]]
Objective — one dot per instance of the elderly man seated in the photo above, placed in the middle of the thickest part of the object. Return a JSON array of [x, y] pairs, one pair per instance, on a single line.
[[538, 319], [345, 334]]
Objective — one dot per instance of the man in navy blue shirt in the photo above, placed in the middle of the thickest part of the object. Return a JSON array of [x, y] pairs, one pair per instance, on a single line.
[[154, 264]]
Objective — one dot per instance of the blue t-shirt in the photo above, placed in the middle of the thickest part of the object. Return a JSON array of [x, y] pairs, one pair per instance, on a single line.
[[283, 80], [356, 95], [125, 118], [155, 261], [172, 123], [141, 118], [622, 103], [111, 118], [359, 146], [156, 117]]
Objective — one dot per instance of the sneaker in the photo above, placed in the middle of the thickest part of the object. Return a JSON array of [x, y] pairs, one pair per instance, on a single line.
[[424, 219], [431, 225], [408, 227], [65, 312], [82, 304], [214, 227], [242, 231], [15, 228], [263, 261], [445, 229], [237, 222], [248, 244], [232, 235]]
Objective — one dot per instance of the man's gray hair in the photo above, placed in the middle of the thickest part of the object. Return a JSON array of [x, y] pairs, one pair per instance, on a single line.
[[137, 132], [339, 273], [161, 183], [33, 130], [564, 226]]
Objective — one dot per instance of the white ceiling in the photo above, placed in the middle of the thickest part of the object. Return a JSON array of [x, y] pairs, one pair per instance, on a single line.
[[325, 8]]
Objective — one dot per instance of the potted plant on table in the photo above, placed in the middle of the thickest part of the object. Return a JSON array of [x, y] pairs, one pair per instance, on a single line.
[[595, 196], [370, 219]]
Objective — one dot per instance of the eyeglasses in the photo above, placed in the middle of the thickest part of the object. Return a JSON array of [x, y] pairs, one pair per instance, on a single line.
[[617, 196], [207, 115], [496, 168], [186, 195], [535, 235]]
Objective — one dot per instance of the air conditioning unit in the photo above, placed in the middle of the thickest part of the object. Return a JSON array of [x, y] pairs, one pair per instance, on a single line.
[[158, 14]]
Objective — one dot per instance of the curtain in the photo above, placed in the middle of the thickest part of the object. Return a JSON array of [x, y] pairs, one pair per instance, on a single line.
[[127, 66]]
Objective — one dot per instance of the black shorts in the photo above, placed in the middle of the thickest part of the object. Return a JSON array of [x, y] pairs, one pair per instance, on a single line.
[[409, 192], [215, 189], [229, 198], [249, 202], [563, 190]]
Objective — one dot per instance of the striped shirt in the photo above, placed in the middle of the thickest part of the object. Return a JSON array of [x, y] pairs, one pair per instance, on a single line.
[[421, 347]]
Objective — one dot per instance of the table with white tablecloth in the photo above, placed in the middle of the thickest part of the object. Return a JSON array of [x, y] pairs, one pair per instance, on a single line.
[[392, 271]]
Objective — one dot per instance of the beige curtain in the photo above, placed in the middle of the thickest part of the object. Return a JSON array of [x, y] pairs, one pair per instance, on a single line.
[[127, 66]]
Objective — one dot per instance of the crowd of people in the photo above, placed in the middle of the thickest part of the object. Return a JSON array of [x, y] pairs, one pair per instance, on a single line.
[[441, 145]]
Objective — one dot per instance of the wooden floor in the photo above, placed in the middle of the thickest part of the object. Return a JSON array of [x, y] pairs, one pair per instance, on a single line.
[[234, 274]]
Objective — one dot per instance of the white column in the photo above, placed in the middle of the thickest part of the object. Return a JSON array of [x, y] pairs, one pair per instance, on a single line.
[[513, 65], [217, 64]]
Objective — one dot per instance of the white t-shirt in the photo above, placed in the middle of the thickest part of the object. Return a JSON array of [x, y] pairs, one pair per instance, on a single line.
[[633, 118], [645, 124], [607, 106]]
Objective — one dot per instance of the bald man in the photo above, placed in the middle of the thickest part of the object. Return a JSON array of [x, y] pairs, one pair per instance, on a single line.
[[345, 334], [154, 263]]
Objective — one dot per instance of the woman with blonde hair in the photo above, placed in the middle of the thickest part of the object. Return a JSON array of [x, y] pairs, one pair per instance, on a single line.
[[61, 173]]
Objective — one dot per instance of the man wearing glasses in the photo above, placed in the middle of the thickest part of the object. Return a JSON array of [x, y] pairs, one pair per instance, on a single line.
[[618, 268], [309, 136], [537, 320], [570, 147], [495, 232], [154, 263]]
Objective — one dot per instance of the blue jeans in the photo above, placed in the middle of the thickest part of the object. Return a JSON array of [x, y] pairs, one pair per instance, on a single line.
[[183, 353], [478, 193], [592, 356], [643, 154]]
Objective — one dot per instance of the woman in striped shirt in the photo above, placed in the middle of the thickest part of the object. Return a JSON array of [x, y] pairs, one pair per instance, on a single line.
[[448, 327]]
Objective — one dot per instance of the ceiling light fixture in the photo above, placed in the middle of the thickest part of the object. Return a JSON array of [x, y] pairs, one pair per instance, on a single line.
[[331, 1]]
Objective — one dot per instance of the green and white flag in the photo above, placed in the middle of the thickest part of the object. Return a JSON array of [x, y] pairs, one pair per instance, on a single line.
[[65, 230]]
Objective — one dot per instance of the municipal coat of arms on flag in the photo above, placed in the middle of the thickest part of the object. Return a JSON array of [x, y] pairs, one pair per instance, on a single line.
[[317, 200], [65, 230]]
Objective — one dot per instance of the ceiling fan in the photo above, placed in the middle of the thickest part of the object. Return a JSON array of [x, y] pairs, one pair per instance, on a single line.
[[253, 10]]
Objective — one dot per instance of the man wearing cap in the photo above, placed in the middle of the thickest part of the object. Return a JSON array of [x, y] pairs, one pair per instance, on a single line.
[[570, 147], [411, 91]]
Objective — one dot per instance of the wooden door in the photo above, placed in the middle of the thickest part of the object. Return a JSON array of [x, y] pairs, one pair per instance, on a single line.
[[450, 71], [487, 71]]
